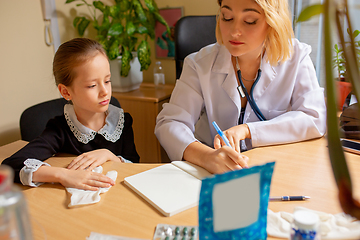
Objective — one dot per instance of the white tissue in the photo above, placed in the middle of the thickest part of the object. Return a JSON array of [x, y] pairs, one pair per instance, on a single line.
[[99, 236], [338, 226], [84, 197]]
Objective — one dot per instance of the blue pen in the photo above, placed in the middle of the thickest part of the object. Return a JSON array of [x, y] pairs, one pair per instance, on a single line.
[[224, 138]]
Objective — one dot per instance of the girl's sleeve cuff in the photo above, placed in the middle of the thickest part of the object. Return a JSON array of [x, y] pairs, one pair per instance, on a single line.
[[26, 173], [124, 160]]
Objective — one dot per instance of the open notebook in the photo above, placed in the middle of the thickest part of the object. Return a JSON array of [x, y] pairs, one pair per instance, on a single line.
[[170, 188]]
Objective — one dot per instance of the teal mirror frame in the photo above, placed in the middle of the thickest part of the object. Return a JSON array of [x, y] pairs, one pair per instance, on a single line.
[[256, 230]]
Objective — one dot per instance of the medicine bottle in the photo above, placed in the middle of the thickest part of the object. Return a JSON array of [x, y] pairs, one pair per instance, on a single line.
[[159, 76], [14, 218], [305, 226]]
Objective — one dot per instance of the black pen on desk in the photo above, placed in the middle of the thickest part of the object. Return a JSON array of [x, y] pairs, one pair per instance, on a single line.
[[289, 198]]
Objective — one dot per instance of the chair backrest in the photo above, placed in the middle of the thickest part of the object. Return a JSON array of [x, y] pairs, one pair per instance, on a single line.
[[34, 119], [191, 34]]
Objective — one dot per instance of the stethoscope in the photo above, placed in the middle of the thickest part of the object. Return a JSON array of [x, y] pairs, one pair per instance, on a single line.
[[243, 91]]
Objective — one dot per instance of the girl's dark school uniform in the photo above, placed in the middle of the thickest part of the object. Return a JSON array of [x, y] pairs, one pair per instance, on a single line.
[[63, 135]]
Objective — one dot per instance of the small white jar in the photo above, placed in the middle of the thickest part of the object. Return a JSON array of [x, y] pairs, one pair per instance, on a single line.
[[305, 226]]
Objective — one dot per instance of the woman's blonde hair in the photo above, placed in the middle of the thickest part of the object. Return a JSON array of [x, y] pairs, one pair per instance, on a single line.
[[278, 43]]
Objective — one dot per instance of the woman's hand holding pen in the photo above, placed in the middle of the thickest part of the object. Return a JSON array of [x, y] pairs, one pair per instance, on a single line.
[[225, 159], [231, 147], [234, 135], [213, 160]]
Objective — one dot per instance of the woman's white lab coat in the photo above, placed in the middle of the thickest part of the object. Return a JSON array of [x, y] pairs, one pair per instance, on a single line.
[[288, 95]]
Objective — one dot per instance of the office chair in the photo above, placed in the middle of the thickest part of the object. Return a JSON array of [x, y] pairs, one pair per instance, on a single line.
[[33, 120], [191, 34]]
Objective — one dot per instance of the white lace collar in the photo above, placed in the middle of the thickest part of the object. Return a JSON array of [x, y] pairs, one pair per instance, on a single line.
[[114, 124]]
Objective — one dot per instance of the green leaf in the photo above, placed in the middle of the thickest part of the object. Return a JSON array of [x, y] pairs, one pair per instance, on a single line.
[[106, 11], [116, 29], [80, 4], [151, 18], [142, 30], [76, 21], [114, 11], [139, 10], [151, 5], [162, 20], [69, 1], [336, 153], [130, 28], [124, 5], [125, 62], [105, 26], [132, 43], [348, 32], [84, 23], [356, 33], [144, 55], [149, 30], [113, 51], [150, 24], [96, 25], [81, 23], [99, 5], [310, 11]]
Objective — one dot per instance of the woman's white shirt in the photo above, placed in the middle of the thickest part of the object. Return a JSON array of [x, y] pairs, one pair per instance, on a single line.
[[288, 95]]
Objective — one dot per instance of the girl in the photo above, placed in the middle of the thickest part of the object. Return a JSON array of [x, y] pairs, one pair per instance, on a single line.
[[255, 61], [90, 127]]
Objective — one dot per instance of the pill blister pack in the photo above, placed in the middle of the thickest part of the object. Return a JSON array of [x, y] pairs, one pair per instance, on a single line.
[[175, 232]]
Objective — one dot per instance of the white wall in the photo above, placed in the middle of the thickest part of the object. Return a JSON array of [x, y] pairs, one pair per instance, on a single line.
[[355, 15], [25, 64]]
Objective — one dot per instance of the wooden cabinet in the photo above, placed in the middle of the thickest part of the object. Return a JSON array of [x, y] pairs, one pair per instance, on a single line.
[[144, 104]]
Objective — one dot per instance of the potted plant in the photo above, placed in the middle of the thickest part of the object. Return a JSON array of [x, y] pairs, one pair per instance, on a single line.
[[343, 86], [123, 29], [333, 11]]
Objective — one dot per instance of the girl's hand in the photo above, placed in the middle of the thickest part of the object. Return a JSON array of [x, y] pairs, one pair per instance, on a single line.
[[225, 159], [92, 159], [234, 135], [86, 180]]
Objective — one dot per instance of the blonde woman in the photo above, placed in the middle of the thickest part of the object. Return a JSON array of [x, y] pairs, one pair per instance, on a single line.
[[257, 83]]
